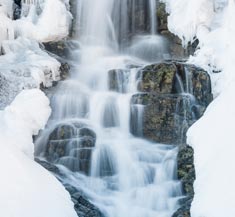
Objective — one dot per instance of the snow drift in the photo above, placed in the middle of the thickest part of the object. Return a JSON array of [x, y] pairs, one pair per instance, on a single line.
[[27, 189]]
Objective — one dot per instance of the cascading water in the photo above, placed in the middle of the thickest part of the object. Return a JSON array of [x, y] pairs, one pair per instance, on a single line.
[[128, 176]]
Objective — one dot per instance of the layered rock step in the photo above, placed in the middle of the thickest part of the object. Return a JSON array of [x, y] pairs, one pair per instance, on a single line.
[[171, 97]]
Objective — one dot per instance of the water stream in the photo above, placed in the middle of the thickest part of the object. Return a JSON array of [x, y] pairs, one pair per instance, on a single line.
[[127, 176]]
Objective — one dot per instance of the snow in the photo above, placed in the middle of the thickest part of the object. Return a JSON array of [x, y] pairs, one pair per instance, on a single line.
[[212, 22], [26, 188]]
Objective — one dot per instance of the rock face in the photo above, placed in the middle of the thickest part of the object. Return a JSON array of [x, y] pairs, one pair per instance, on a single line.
[[173, 96], [82, 205], [71, 145]]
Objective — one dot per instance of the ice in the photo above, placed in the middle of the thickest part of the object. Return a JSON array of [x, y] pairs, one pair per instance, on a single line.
[[25, 66]]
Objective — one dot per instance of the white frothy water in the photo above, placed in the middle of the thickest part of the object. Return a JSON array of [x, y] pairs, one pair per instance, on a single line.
[[128, 176]]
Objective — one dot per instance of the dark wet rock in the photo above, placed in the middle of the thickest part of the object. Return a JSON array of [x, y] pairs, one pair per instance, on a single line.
[[82, 205], [165, 117], [184, 210], [157, 78], [84, 208], [57, 47], [186, 169], [64, 71], [61, 48], [71, 144], [201, 83], [162, 17], [186, 173], [16, 9]]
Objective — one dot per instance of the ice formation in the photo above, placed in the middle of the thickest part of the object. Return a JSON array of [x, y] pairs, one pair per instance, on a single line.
[[23, 66]]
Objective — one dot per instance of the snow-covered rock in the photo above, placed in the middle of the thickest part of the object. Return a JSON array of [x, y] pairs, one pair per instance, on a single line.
[[26, 188]]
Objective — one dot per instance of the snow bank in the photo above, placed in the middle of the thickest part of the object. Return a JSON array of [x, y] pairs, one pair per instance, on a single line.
[[49, 21], [24, 66], [27, 190], [212, 22], [212, 138]]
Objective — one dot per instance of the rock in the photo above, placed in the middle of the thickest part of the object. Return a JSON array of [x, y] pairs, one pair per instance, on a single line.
[[71, 144], [61, 48], [184, 210], [157, 78], [16, 9], [186, 170], [162, 17], [84, 208], [166, 118], [174, 95], [186, 173], [64, 71]]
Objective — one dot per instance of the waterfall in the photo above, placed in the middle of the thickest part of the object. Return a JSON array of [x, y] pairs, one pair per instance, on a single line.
[[127, 176], [153, 17]]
